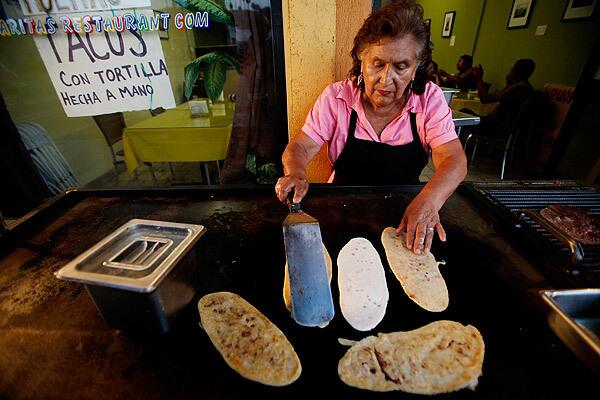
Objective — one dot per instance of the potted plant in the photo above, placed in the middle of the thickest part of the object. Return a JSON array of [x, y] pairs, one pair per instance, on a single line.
[[214, 64]]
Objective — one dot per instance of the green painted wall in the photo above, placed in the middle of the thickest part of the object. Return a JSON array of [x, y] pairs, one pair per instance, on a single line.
[[560, 54], [468, 13]]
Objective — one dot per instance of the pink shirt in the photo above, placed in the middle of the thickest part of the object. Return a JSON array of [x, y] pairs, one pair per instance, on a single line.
[[329, 119]]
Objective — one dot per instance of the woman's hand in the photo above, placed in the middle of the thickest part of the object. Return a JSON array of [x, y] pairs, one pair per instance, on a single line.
[[421, 220], [287, 183], [296, 156]]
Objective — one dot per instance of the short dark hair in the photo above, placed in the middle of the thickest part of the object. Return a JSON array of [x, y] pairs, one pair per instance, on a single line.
[[398, 18], [468, 60], [523, 68]]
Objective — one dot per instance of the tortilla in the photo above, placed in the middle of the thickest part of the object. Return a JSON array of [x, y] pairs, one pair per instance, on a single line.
[[418, 274], [249, 343], [441, 357], [287, 299], [361, 279]]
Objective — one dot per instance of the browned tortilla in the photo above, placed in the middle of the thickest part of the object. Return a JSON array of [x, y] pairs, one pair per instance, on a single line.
[[250, 344], [418, 274], [441, 357]]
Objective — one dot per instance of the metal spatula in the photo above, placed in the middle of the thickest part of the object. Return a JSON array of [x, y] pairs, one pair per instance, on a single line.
[[310, 292]]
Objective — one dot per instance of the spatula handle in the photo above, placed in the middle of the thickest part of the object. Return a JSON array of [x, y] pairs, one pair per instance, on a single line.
[[294, 207]]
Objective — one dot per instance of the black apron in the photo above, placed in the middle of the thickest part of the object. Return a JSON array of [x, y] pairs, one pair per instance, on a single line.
[[364, 162]]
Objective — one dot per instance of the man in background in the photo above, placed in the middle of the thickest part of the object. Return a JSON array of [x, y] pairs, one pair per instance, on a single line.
[[510, 99], [464, 79]]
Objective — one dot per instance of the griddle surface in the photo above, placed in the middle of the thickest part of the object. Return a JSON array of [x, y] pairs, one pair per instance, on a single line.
[[55, 344]]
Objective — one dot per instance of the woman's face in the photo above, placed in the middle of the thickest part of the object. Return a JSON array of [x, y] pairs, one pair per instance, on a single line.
[[388, 67]]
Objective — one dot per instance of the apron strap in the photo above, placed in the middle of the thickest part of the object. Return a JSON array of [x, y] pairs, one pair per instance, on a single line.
[[352, 127], [413, 126]]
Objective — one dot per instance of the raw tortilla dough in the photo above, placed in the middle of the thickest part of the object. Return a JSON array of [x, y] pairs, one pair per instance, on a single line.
[[361, 280]]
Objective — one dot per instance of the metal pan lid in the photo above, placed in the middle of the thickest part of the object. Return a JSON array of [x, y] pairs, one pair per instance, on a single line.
[[135, 257]]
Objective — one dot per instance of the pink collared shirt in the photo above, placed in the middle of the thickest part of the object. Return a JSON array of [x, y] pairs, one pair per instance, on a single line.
[[329, 119]]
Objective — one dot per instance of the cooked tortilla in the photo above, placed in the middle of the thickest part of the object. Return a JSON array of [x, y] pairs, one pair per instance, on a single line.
[[418, 274], [441, 357], [287, 299], [361, 280], [249, 343]]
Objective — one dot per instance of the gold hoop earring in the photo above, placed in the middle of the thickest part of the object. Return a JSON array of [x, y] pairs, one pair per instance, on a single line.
[[410, 85], [360, 79]]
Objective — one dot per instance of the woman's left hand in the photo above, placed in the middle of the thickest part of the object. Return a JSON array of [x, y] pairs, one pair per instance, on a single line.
[[421, 220]]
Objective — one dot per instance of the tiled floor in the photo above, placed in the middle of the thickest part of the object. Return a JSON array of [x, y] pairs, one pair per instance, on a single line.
[[178, 174], [166, 174], [482, 171]]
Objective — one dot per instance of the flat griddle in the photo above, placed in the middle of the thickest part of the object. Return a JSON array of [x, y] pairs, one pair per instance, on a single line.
[[56, 345]]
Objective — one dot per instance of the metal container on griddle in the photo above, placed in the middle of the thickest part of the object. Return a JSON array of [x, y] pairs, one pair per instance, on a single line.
[[575, 318], [140, 276]]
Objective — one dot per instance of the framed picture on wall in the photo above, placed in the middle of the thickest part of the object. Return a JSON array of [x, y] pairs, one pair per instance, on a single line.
[[520, 13], [579, 9], [448, 24]]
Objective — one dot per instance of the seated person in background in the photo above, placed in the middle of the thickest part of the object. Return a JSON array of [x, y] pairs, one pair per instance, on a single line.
[[433, 73], [464, 78], [510, 99]]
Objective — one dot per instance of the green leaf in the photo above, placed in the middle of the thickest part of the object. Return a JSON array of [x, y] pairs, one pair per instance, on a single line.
[[231, 61], [267, 174], [218, 57], [215, 11], [251, 163], [214, 80], [209, 58], [215, 66], [268, 171], [190, 77]]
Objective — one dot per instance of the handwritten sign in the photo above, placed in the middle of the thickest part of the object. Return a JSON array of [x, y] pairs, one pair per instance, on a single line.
[[36, 7], [104, 72]]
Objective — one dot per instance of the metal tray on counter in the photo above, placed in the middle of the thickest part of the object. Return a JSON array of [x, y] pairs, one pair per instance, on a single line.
[[575, 318]]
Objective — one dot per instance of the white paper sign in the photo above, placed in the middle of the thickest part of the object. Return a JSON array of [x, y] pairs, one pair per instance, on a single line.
[[36, 7], [101, 72]]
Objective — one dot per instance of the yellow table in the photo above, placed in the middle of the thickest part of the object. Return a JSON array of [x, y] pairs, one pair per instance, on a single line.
[[176, 136], [474, 105]]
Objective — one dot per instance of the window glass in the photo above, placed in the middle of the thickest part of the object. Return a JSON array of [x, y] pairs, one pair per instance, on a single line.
[[123, 93]]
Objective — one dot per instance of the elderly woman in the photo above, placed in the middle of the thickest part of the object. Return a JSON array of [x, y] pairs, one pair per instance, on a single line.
[[381, 123]]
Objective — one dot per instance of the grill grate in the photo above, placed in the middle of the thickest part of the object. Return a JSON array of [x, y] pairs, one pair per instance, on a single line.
[[517, 200]]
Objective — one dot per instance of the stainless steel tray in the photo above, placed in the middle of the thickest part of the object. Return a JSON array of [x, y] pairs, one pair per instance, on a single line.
[[142, 275], [575, 318], [136, 257]]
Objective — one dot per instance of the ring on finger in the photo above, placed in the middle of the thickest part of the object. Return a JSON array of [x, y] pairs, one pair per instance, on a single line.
[[421, 240], [429, 229]]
